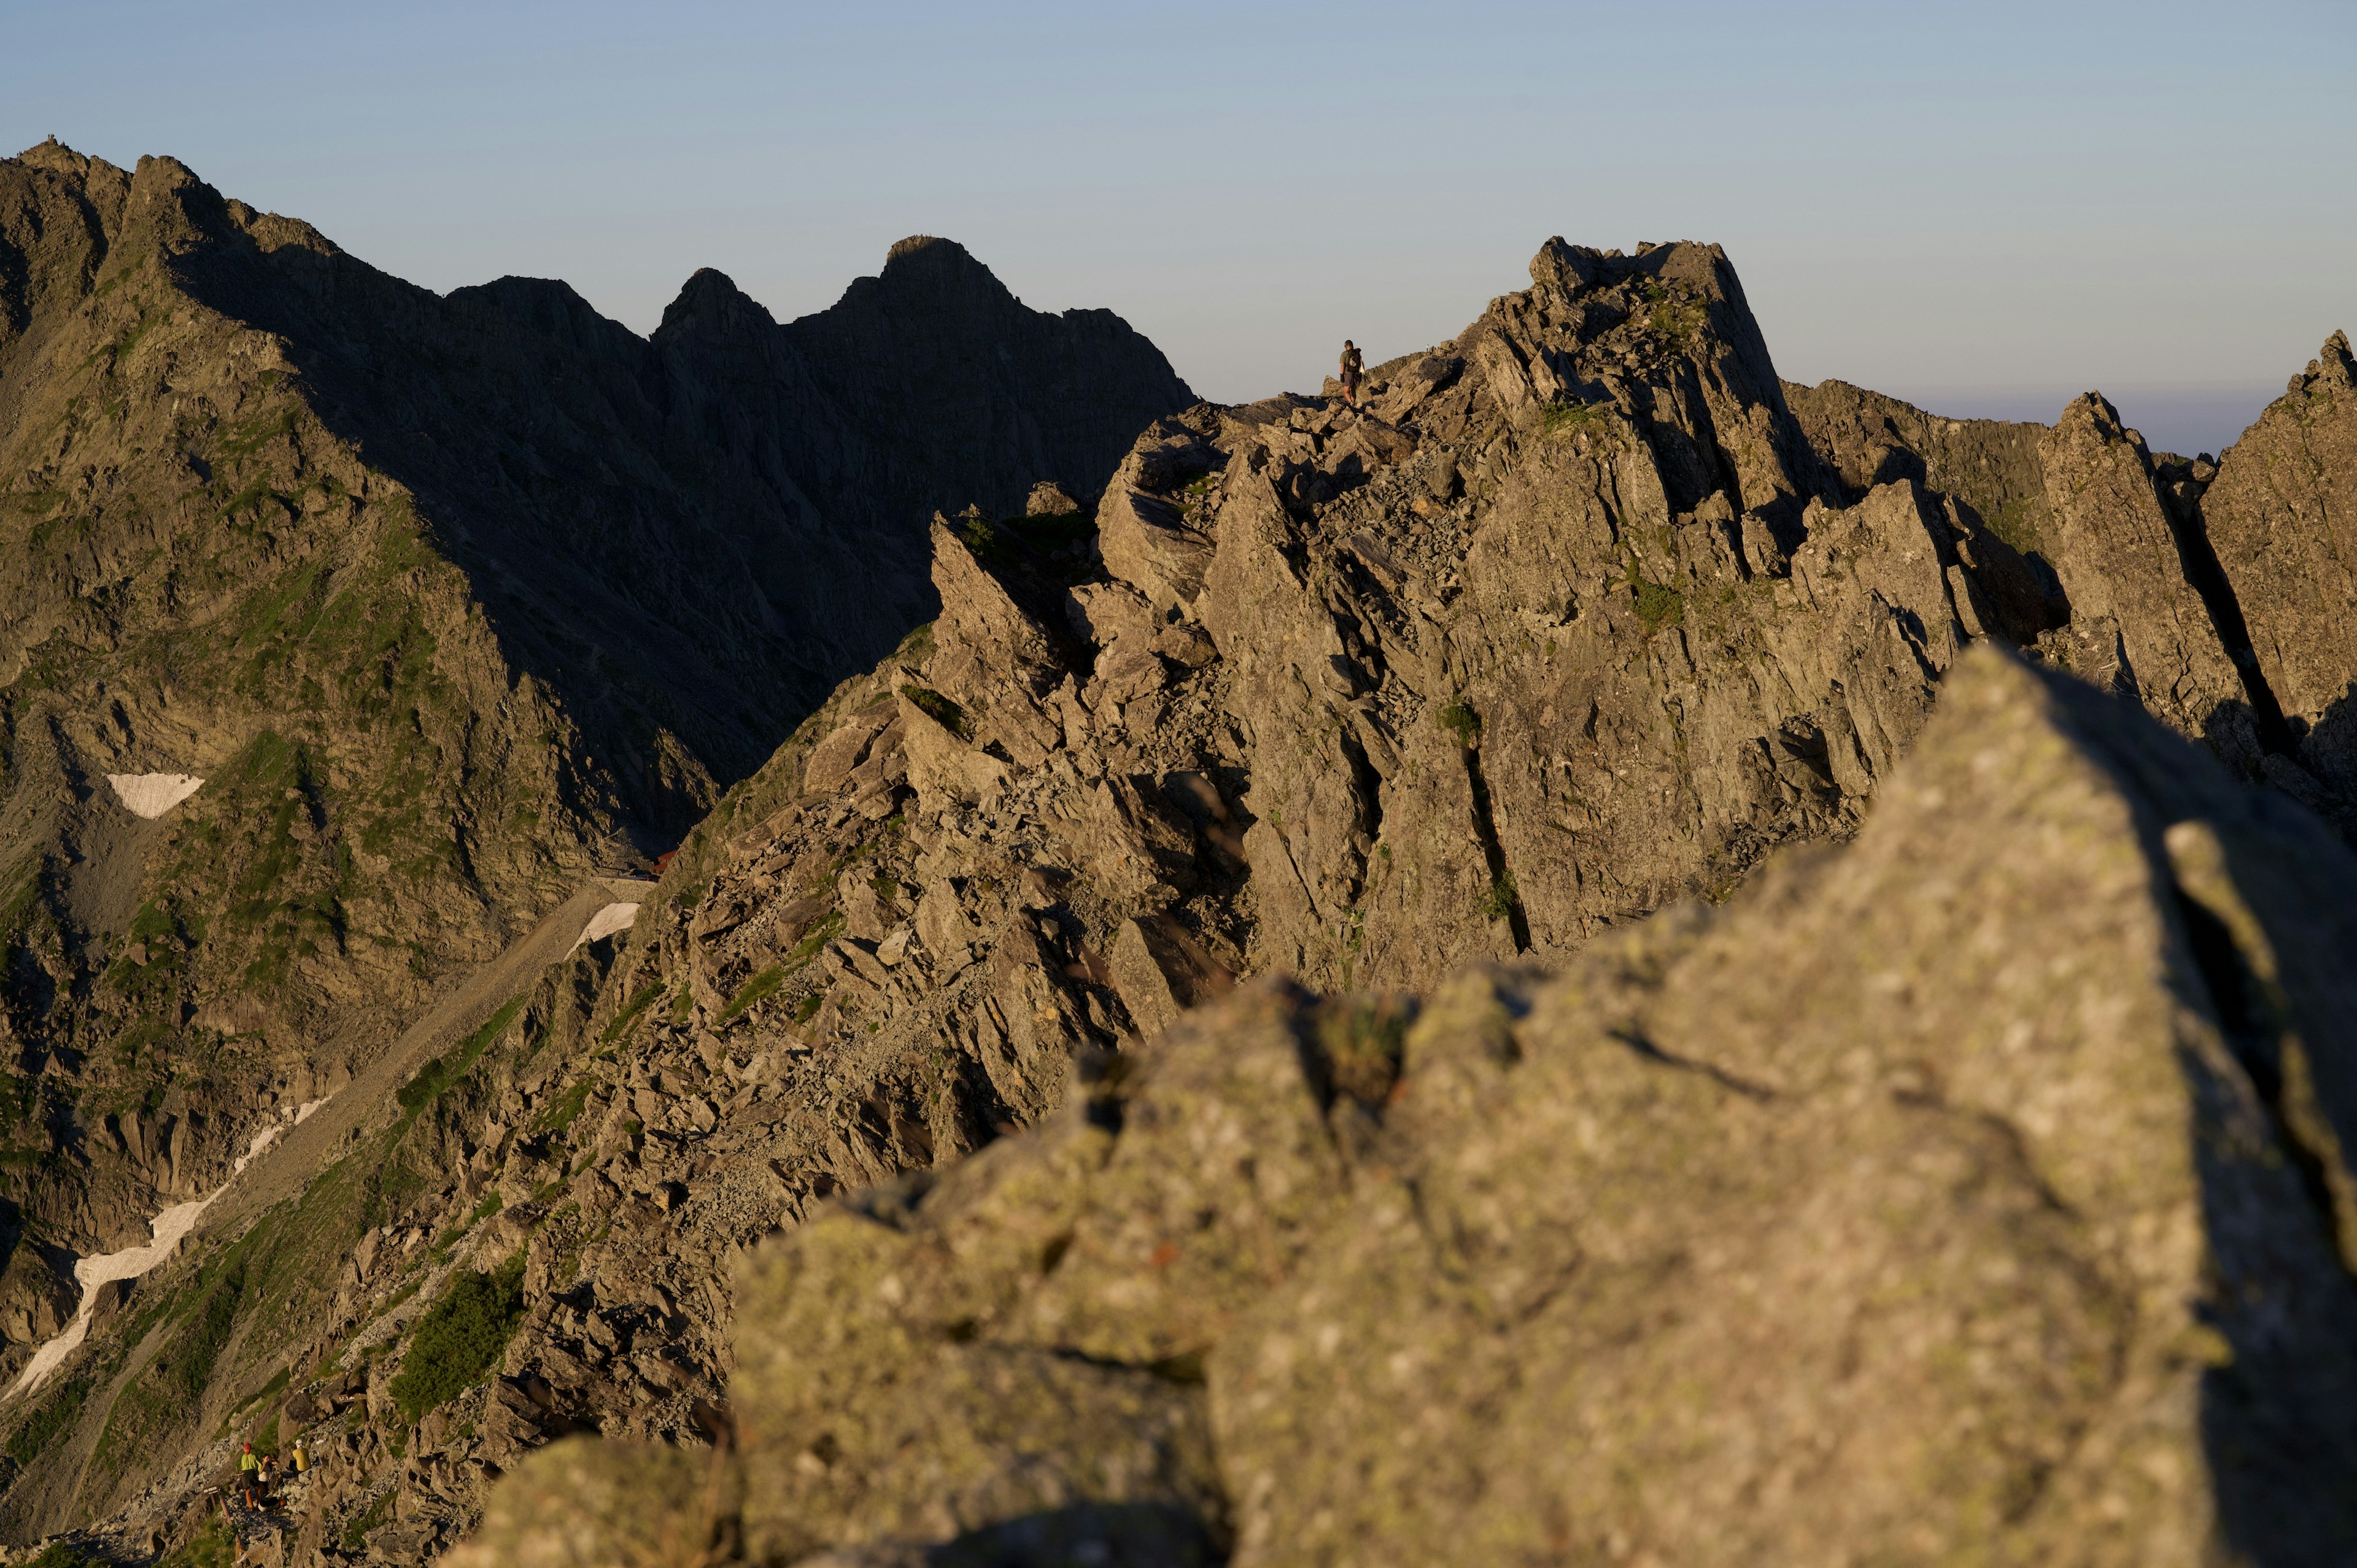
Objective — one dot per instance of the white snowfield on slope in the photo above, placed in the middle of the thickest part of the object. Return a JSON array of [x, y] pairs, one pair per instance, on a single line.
[[151, 795]]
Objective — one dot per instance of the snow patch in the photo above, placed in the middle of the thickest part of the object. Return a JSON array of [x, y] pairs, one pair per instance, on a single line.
[[261, 1141], [165, 1232], [153, 794], [606, 921]]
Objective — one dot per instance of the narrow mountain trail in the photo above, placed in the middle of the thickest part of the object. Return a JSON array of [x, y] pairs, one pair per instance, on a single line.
[[302, 1151], [285, 1158]]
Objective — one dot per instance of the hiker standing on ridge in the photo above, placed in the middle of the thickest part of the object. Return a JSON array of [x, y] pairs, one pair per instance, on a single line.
[[249, 1472], [1354, 364]]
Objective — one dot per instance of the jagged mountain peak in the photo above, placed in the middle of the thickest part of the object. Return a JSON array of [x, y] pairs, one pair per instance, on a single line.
[[710, 301], [928, 256], [55, 156], [2333, 359], [550, 308], [932, 249], [925, 275]]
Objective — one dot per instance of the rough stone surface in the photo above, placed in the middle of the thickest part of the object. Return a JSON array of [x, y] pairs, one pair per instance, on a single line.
[[2139, 622], [1974, 1192], [2281, 512]]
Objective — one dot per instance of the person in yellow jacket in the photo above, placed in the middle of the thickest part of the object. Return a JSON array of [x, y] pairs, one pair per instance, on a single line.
[[249, 1473]]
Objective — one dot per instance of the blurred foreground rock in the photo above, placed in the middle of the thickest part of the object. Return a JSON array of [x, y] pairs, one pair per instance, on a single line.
[[1976, 1192]]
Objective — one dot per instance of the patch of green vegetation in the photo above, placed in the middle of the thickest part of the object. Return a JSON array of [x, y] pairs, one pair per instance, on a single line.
[[66, 1554], [566, 1109], [271, 1390], [243, 440], [460, 1338], [376, 1516], [808, 1007], [638, 1003], [43, 535], [759, 989], [2011, 521], [1560, 418], [823, 930], [257, 497], [1363, 1040], [1672, 317], [54, 1415], [681, 1006], [917, 644], [128, 338], [492, 1203], [984, 539], [1658, 605], [892, 827], [442, 1072], [940, 709], [117, 281], [1459, 720], [1501, 899], [267, 809], [211, 1547], [162, 1396]]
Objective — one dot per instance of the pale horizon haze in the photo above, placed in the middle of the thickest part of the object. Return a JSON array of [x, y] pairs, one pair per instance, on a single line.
[[1984, 208]]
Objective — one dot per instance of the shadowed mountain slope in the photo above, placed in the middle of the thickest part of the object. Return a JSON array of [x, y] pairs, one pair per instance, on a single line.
[[448, 602]]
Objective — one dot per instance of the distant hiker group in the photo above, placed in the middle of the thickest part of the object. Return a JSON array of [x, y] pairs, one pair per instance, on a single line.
[[257, 1476]]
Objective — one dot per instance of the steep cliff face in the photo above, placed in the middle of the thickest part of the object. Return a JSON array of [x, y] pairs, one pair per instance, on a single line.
[[2280, 511], [1464, 714], [441, 603]]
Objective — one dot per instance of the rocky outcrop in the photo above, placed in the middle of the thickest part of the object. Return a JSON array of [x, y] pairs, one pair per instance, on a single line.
[[2206, 587], [2138, 622], [2280, 510], [1988, 472], [1976, 1191]]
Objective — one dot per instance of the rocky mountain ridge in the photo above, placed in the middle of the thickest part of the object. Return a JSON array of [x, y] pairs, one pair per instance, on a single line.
[[448, 604], [1582, 621]]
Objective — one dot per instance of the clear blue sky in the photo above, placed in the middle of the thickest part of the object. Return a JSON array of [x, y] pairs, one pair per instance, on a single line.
[[1984, 207]]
